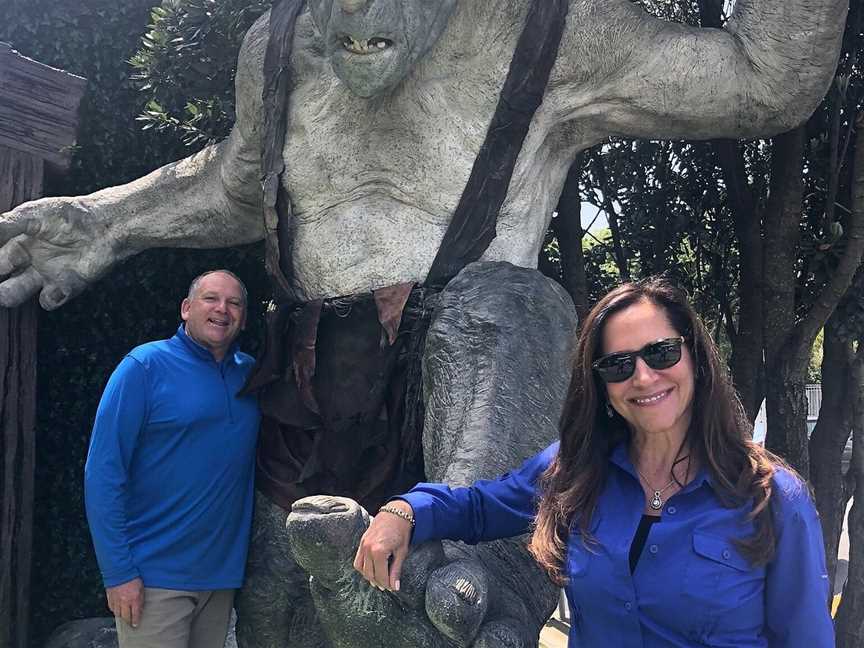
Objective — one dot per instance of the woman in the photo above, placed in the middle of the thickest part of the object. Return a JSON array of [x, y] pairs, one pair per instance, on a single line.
[[664, 522]]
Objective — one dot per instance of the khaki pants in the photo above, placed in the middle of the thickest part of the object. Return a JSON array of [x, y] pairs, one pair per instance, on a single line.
[[179, 619]]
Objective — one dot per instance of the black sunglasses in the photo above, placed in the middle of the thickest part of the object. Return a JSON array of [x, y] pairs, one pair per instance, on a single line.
[[618, 367]]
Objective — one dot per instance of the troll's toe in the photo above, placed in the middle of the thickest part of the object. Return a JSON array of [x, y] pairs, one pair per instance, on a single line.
[[503, 633], [457, 598]]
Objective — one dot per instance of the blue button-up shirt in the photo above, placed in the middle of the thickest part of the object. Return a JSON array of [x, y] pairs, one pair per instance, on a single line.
[[691, 587]]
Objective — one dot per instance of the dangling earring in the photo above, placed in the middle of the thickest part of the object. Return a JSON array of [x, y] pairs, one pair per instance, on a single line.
[[609, 411]]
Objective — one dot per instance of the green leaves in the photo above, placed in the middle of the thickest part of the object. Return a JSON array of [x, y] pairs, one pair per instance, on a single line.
[[186, 65]]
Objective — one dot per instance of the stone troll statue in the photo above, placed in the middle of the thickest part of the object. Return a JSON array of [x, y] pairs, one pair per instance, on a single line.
[[402, 159]]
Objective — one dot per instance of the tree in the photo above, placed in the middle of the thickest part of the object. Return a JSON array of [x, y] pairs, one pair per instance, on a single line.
[[842, 411]]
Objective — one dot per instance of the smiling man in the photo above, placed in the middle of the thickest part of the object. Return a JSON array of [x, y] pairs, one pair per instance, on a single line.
[[169, 476]]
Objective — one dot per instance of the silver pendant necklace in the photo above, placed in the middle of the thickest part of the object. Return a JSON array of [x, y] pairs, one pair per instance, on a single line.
[[656, 502]]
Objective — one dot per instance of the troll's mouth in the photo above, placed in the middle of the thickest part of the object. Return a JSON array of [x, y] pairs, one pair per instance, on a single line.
[[366, 46]]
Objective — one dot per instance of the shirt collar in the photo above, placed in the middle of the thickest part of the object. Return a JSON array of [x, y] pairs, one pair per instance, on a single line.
[[621, 458], [199, 350]]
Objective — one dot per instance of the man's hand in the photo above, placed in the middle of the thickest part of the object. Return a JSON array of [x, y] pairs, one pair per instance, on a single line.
[[126, 601], [384, 547], [53, 245]]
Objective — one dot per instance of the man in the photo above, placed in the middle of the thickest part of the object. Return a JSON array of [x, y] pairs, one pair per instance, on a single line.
[[169, 476]]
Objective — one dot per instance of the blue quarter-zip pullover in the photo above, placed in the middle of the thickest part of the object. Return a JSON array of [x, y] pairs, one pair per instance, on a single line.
[[169, 474]]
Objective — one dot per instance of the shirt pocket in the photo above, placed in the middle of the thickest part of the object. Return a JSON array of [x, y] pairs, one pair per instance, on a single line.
[[724, 592], [719, 551]]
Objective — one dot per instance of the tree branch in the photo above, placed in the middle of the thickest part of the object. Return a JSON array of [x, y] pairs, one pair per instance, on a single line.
[[781, 242], [842, 277], [834, 152], [568, 230], [611, 216]]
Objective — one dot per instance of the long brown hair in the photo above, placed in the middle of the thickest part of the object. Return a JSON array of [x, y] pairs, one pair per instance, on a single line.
[[719, 433]]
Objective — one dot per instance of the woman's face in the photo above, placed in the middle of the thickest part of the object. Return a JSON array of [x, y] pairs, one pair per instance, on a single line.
[[652, 401]]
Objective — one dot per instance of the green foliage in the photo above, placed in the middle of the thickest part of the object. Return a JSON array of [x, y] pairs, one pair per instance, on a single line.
[[600, 273], [670, 202], [814, 368], [186, 65]]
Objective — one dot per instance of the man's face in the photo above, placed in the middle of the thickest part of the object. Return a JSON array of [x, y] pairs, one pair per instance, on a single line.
[[374, 44], [215, 314]]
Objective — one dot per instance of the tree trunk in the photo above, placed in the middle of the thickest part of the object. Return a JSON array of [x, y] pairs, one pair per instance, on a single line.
[[748, 370], [20, 180], [850, 617], [786, 410], [568, 231], [829, 439], [786, 403]]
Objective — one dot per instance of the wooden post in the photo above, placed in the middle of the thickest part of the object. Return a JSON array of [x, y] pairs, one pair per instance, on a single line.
[[38, 117]]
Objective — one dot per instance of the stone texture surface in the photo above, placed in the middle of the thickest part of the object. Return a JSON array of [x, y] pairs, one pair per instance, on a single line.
[[274, 608], [494, 393], [374, 181], [87, 633], [496, 371], [324, 532]]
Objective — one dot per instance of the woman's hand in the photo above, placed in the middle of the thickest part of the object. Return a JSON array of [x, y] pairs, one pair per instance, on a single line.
[[384, 547]]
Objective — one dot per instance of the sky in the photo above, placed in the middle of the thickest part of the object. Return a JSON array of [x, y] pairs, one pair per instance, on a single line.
[[589, 211]]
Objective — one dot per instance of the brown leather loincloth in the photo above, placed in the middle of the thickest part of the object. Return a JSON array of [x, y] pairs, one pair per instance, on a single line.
[[340, 393]]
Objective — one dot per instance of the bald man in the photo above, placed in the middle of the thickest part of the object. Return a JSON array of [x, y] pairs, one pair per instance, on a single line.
[[169, 475]]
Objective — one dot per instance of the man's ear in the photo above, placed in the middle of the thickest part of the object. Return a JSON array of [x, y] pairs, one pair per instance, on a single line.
[[184, 309]]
